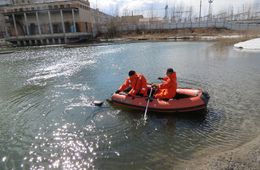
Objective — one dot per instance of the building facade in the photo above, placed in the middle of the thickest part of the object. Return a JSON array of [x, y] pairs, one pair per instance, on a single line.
[[2, 25], [5, 2], [51, 22]]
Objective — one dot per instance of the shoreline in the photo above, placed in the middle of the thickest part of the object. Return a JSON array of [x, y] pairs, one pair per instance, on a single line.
[[223, 37], [223, 40], [211, 34], [246, 156]]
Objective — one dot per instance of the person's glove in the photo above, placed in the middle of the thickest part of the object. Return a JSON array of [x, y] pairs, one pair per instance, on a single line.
[[154, 86], [118, 91], [160, 78]]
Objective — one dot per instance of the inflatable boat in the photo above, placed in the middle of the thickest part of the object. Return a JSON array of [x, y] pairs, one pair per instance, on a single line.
[[186, 100]]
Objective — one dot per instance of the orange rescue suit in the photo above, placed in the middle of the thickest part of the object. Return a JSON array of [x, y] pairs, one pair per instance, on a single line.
[[138, 84], [167, 89]]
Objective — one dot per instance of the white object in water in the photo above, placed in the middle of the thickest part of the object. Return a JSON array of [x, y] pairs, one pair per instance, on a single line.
[[98, 103], [253, 44]]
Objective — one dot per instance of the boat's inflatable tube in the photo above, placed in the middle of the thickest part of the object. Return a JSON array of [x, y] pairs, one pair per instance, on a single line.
[[186, 100]]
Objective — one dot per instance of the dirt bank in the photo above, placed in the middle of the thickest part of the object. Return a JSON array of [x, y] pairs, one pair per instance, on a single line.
[[185, 34], [245, 157]]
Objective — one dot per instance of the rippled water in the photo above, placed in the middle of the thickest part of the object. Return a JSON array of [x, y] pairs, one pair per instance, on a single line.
[[48, 121]]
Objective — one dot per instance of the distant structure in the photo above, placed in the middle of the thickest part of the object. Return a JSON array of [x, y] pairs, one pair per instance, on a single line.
[[257, 5], [166, 12], [2, 25], [210, 9], [38, 22], [20, 2], [5, 2], [200, 10], [133, 19]]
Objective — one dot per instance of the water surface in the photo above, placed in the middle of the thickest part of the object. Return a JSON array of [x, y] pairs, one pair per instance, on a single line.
[[48, 121]]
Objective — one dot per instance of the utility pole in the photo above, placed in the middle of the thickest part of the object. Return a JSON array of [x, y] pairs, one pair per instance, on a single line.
[[166, 12], [200, 11], [152, 11]]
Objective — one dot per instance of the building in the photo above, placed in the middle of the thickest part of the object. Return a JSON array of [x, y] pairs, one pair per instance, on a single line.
[[32, 22], [134, 19], [154, 20], [5, 2], [2, 25]]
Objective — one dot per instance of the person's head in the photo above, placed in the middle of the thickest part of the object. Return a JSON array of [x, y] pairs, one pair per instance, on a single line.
[[169, 71], [131, 73]]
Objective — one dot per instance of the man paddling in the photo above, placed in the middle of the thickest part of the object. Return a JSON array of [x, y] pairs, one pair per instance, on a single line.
[[167, 89], [135, 84]]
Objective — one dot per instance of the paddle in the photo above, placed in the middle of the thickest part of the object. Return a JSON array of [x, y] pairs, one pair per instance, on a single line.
[[148, 101]]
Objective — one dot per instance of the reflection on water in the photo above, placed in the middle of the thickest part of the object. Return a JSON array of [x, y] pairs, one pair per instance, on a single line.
[[69, 148], [48, 120]]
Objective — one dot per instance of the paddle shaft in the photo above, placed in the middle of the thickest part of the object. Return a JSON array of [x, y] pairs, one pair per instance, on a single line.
[[146, 109]]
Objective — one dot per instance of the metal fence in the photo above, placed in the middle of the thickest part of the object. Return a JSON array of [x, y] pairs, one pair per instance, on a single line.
[[233, 25], [240, 21]]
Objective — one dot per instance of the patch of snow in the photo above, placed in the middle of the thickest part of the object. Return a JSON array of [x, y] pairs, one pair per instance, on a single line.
[[253, 44], [231, 36]]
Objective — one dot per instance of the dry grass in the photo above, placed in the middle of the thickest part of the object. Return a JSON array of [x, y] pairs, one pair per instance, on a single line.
[[220, 35], [176, 32]]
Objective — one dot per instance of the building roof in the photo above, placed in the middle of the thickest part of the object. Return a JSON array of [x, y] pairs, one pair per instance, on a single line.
[[53, 5]]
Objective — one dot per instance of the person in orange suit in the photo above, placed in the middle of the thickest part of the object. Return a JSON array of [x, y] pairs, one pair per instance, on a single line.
[[167, 89], [135, 84]]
